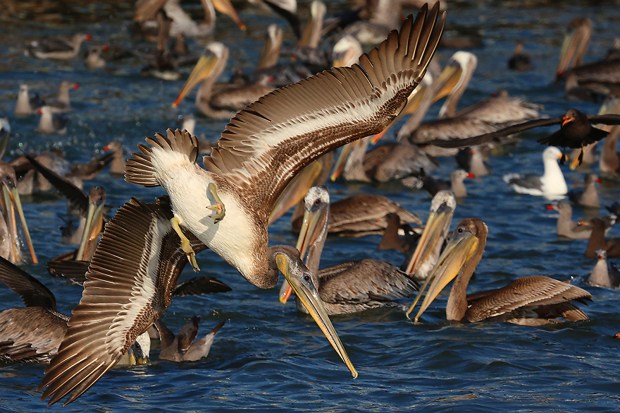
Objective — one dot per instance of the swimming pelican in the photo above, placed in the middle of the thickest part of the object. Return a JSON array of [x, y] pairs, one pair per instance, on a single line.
[[351, 286], [534, 300]]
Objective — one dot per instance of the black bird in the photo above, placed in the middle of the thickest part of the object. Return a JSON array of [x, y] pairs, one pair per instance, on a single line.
[[576, 131]]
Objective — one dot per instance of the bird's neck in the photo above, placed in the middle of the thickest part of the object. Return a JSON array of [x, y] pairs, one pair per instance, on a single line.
[[457, 301]]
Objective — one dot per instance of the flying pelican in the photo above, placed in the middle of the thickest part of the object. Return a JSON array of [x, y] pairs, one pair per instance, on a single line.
[[534, 300], [266, 144], [34, 333], [351, 286], [129, 285]]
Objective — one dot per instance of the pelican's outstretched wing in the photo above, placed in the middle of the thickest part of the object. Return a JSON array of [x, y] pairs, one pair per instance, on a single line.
[[524, 292], [128, 285], [267, 143]]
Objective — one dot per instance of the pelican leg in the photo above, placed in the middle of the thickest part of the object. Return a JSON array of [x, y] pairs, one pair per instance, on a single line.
[[186, 246], [219, 208]]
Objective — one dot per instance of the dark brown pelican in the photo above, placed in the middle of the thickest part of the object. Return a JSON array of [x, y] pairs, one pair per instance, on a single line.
[[597, 241], [519, 61], [58, 48], [534, 300], [575, 131], [602, 274], [362, 215], [219, 100], [34, 333], [348, 287], [184, 347], [551, 184], [129, 285], [10, 202]]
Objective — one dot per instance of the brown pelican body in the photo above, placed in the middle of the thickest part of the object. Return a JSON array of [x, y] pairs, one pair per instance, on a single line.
[[597, 241], [58, 48], [604, 275], [483, 117], [362, 215], [184, 347], [219, 100], [348, 287], [34, 333], [534, 300]]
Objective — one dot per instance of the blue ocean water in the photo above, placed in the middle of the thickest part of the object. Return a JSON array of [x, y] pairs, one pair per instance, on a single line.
[[270, 358]]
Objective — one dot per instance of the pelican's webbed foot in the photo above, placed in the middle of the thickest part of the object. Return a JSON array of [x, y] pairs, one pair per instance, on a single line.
[[186, 246], [218, 207]]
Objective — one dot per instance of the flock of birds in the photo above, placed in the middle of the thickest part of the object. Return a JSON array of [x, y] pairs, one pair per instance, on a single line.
[[277, 153]]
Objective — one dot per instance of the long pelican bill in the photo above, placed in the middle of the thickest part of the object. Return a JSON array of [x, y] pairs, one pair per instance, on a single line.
[[13, 202], [302, 284], [94, 215], [456, 254], [296, 190], [226, 7], [310, 230], [433, 234], [203, 69]]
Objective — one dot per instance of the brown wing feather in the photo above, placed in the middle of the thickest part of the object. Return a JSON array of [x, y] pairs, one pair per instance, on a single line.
[[526, 291], [32, 292], [265, 145], [121, 299]]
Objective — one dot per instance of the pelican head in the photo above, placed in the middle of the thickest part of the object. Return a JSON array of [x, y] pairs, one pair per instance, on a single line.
[[425, 255], [209, 66], [300, 279], [454, 78], [94, 223], [312, 234], [467, 241]]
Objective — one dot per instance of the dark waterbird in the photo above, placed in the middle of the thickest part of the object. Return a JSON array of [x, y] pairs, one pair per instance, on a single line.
[[576, 131]]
